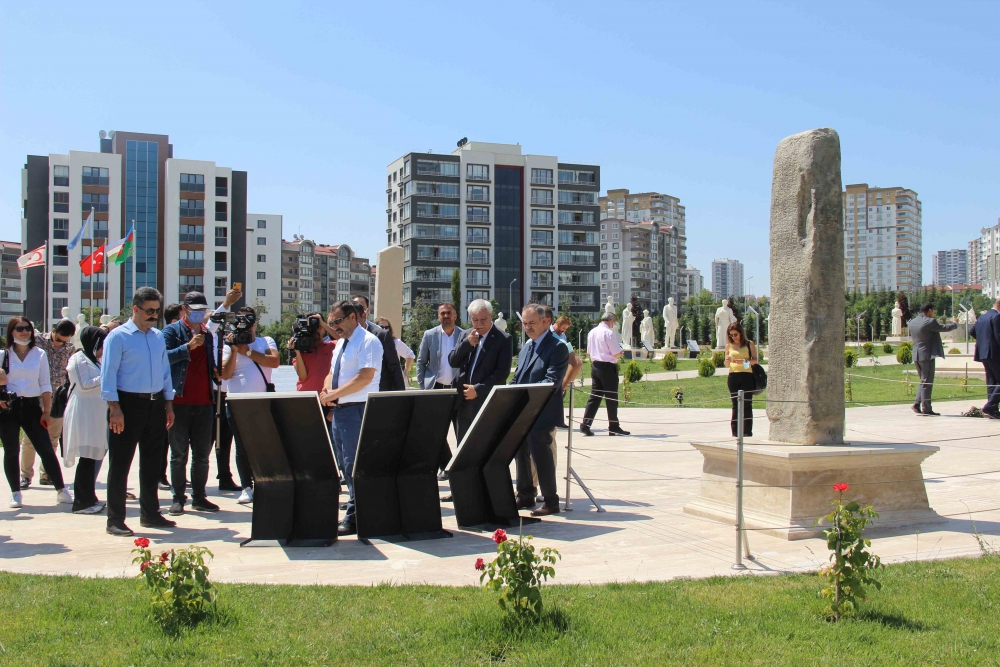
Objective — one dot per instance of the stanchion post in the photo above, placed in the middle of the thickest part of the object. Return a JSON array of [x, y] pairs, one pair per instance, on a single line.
[[738, 565], [568, 507]]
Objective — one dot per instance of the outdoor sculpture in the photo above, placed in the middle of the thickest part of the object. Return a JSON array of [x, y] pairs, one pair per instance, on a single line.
[[669, 323], [897, 321], [723, 318], [636, 319], [65, 312], [81, 322], [627, 319], [618, 332], [609, 307], [500, 323], [646, 330]]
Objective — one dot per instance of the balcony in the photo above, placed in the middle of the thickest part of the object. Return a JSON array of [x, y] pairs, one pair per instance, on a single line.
[[542, 201], [192, 238], [94, 180], [222, 192], [192, 264], [192, 187], [477, 218], [478, 179], [541, 180], [220, 266], [543, 284], [478, 196], [192, 213], [221, 216]]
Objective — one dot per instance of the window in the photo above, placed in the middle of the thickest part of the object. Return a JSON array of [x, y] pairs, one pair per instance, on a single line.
[[477, 172], [95, 176], [261, 258], [60, 256], [541, 258], [221, 186], [100, 229], [60, 228], [435, 189], [434, 274], [57, 306], [60, 202], [431, 210], [221, 211], [477, 277], [60, 175], [220, 286], [477, 192], [477, 235], [262, 292], [477, 256], [192, 208], [574, 197], [541, 237], [576, 257], [192, 182], [192, 259], [477, 214], [406, 168], [60, 282], [541, 177], [577, 298], [474, 294], [541, 197], [261, 240], [220, 261], [438, 253], [89, 200], [222, 236], [192, 234], [191, 284], [262, 224], [541, 279], [433, 168], [569, 176], [544, 298], [541, 217], [404, 211], [577, 218]]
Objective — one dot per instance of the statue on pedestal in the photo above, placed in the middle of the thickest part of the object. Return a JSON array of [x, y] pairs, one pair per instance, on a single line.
[[65, 312], [646, 330], [897, 321], [669, 323], [500, 323], [81, 322], [609, 307], [618, 332], [636, 319], [723, 318], [627, 320]]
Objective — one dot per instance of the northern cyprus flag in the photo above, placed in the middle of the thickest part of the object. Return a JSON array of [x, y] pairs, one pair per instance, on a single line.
[[122, 250]]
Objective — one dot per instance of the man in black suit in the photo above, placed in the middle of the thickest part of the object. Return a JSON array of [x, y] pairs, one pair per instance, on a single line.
[[543, 359], [391, 378], [987, 335], [482, 357]]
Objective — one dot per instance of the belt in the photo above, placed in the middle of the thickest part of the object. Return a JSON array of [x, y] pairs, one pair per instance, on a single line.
[[146, 397], [609, 363], [347, 405]]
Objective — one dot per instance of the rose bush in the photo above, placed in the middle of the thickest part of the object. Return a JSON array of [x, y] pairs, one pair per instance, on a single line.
[[182, 595], [517, 574], [852, 567]]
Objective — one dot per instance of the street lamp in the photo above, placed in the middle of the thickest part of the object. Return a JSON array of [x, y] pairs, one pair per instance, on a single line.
[[756, 320], [510, 296], [966, 311], [858, 318]]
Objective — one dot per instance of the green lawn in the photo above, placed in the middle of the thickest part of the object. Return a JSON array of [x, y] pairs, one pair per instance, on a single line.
[[868, 385], [941, 613]]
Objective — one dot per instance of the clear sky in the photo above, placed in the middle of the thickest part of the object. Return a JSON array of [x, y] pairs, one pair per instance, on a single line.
[[690, 99]]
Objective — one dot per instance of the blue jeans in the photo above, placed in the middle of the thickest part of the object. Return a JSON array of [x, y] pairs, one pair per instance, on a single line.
[[346, 432]]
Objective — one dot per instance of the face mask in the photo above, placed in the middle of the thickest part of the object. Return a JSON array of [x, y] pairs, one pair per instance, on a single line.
[[196, 316], [22, 340]]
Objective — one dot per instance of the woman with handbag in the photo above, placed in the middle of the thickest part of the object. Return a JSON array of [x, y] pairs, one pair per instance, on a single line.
[[741, 356], [25, 403], [85, 434]]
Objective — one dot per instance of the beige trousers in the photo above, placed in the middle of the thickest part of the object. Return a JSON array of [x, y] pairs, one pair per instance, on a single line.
[[28, 451]]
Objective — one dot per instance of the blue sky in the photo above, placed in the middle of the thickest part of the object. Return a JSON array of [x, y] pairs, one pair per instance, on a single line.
[[314, 100]]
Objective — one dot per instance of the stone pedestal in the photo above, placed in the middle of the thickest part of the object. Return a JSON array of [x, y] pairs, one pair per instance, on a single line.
[[389, 288], [787, 487], [896, 340]]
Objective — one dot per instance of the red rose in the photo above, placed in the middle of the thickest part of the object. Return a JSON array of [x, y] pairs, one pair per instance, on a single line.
[[142, 542], [841, 487], [500, 536], [480, 565], [144, 565], [164, 557]]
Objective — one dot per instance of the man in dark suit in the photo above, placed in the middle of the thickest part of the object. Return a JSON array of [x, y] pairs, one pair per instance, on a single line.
[[482, 357], [543, 359], [987, 335], [926, 333], [391, 378]]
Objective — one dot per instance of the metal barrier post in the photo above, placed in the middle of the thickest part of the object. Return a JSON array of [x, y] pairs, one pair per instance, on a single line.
[[738, 565], [568, 507]]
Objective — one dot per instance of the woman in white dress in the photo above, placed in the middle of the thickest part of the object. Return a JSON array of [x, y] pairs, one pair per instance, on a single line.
[[85, 426], [402, 349]]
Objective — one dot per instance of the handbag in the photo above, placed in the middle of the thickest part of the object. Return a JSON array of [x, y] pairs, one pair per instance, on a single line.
[[759, 376], [269, 387], [60, 397]]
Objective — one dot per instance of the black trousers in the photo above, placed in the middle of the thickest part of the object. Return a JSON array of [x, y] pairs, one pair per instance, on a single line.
[[992, 368], [26, 413], [445, 455], [224, 445], [744, 381], [538, 447], [191, 433], [604, 384], [145, 426], [242, 463], [84, 494]]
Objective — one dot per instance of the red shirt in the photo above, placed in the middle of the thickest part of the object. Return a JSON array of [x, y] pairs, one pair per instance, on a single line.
[[197, 389], [317, 366]]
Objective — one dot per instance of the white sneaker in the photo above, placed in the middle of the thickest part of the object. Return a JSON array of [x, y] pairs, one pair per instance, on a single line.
[[64, 496], [93, 509], [246, 497], [15, 501]]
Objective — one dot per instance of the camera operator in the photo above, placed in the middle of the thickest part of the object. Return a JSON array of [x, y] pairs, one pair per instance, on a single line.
[[247, 362], [311, 358]]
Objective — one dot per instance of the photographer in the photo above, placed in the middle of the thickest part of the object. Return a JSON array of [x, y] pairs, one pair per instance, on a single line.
[[247, 362], [312, 354]]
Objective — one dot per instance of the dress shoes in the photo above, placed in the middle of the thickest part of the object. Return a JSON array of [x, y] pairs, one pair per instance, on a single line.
[[164, 484], [992, 415], [586, 430], [546, 510], [346, 528], [525, 504], [156, 521], [228, 485], [176, 509], [618, 430], [916, 409], [204, 505], [931, 413], [119, 530]]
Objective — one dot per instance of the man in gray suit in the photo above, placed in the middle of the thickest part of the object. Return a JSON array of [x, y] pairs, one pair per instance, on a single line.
[[926, 333], [433, 369]]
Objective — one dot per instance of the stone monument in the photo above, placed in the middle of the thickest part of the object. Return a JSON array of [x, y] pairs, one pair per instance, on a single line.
[[500, 323], [646, 331], [65, 312], [627, 320], [897, 321], [618, 333], [81, 322], [636, 310], [389, 287], [723, 318], [669, 323], [609, 307]]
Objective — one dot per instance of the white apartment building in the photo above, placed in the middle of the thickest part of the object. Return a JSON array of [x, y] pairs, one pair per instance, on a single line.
[[950, 267], [883, 239], [989, 261], [263, 286], [314, 276], [695, 281], [727, 278]]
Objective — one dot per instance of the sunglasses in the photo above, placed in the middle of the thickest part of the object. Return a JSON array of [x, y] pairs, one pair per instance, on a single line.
[[22, 329], [150, 311], [337, 321]]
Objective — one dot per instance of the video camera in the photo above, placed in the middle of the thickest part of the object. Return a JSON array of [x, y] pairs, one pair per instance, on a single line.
[[7, 397], [240, 325], [303, 333]]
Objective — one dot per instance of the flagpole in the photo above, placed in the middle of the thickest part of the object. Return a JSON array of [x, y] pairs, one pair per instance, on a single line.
[[134, 245], [45, 310], [90, 306]]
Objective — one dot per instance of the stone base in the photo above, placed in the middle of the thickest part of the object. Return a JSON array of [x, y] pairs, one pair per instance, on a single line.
[[898, 339], [787, 487]]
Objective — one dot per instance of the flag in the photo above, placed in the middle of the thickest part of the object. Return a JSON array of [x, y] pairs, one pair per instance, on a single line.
[[122, 250], [94, 263], [34, 258], [83, 230]]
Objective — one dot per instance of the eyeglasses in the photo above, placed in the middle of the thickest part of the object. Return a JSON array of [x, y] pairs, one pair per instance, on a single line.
[[337, 321], [61, 340], [734, 335], [150, 311], [22, 328]]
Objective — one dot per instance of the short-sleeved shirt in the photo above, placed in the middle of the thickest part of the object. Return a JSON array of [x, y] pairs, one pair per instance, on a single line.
[[317, 366], [361, 350], [58, 357], [246, 378], [602, 344]]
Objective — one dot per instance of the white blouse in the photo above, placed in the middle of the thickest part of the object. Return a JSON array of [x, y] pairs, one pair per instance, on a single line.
[[28, 378]]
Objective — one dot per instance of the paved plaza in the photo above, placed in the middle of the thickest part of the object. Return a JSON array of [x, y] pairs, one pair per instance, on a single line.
[[643, 481]]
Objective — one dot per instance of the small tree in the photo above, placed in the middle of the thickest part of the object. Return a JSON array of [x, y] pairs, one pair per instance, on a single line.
[[419, 318], [852, 567], [456, 295]]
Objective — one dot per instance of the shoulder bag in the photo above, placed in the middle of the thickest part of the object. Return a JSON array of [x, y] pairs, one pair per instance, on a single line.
[[759, 376], [268, 386]]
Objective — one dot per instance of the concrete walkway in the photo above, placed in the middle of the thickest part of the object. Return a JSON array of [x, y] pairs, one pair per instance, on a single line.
[[643, 481]]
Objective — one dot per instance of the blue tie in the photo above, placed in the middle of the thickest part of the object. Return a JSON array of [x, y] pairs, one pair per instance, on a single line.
[[531, 353], [335, 380]]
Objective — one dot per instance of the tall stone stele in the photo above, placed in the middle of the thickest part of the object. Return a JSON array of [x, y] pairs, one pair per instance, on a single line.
[[806, 349]]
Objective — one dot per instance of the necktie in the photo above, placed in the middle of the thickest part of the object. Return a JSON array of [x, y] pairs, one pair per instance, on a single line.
[[531, 354], [475, 357], [335, 380]]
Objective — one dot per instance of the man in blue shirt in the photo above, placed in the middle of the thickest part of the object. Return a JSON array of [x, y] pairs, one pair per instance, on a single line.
[[135, 381]]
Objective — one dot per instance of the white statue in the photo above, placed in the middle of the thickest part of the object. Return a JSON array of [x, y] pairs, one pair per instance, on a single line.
[[669, 323], [627, 320], [646, 330], [500, 323], [105, 319], [609, 307], [81, 322], [723, 318], [897, 321], [618, 332], [65, 312]]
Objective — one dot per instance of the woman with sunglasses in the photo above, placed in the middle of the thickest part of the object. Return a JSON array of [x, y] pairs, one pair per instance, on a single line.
[[86, 426], [24, 372], [741, 355]]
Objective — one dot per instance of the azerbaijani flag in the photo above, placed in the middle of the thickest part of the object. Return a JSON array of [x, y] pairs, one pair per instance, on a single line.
[[122, 250]]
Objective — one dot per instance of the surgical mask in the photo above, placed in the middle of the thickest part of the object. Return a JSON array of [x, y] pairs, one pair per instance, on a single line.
[[196, 316], [22, 340]]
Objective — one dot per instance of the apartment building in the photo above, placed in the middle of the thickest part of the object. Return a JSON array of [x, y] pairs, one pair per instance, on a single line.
[[988, 250], [883, 246], [695, 281], [950, 267], [263, 265], [314, 275], [11, 301], [656, 272], [517, 227], [727, 278], [976, 266]]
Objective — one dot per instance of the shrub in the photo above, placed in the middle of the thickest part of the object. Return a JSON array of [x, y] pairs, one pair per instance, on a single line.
[[850, 358], [517, 574], [954, 350], [852, 568], [887, 348], [719, 358], [706, 368], [633, 372], [182, 593], [868, 348], [669, 361], [904, 354]]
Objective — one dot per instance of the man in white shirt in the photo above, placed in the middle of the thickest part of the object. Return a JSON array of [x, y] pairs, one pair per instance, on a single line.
[[355, 373], [247, 368], [604, 351]]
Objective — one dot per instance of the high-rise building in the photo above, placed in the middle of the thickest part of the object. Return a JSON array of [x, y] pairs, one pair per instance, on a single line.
[[976, 264], [643, 248], [727, 278], [517, 227], [695, 281], [882, 239], [263, 265], [989, 259], [133, 180], [11, 301], [951, 267], [315, 275]]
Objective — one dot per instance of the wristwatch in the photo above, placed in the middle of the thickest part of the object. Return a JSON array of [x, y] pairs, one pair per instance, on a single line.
[[249, 351]]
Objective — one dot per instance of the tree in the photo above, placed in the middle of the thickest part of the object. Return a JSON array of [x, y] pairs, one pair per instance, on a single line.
[[419, 318], [281, 329], [456, 295]]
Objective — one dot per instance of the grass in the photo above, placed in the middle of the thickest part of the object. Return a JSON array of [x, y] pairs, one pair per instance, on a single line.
[[939, 612], [868, 386]]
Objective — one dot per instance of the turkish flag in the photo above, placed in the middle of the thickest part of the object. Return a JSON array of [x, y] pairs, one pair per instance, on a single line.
[[93, 263]]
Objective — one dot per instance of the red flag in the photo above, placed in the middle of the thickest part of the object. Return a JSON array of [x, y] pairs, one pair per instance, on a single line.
[[93, 263]]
